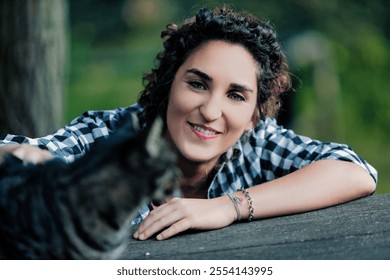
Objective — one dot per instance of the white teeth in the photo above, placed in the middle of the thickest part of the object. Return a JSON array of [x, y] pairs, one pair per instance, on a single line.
[[204, 131]]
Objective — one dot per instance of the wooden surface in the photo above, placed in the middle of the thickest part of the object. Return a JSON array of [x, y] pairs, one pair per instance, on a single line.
[[356, 230]]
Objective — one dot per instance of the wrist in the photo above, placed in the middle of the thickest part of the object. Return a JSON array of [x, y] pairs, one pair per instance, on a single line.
[[240, 205], [229, 211], [242, 201], [236, 202], [249, 203]]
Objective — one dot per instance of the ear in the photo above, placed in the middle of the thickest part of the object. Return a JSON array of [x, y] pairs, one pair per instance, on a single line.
[[153, 145], [255, 119]]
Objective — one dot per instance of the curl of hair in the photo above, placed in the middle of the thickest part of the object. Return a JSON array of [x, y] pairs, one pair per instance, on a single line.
[[258, 37]]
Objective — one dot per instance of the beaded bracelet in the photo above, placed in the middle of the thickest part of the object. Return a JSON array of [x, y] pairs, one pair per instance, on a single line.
[[235, 200], [250, 204]]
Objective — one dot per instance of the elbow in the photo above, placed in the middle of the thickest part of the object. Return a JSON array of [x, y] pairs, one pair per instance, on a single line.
[[361, 183], [366, 184], [370, 186]]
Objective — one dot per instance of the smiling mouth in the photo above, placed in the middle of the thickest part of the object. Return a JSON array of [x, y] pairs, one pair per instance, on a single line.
[[204, 132]]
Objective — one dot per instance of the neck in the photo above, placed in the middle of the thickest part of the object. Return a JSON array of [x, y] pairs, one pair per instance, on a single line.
[[196, 177]]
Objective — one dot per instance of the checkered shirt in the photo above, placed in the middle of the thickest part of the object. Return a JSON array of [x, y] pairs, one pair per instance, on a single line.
[[268, 152]]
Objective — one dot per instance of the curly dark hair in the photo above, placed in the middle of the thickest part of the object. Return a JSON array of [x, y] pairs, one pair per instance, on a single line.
[[258, 37]]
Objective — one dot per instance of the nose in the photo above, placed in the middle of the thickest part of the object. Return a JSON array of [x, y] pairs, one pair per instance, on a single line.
[[211, 109]]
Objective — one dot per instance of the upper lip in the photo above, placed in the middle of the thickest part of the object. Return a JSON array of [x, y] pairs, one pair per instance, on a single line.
[[205, 127]]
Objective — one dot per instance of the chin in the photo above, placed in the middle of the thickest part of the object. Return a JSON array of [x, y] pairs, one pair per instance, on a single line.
[[199, 157]]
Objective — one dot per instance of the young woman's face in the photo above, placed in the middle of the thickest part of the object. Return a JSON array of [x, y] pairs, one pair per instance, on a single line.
[[212, 101]]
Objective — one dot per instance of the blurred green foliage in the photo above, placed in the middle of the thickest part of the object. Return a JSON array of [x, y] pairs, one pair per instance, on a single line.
[[338, 53]]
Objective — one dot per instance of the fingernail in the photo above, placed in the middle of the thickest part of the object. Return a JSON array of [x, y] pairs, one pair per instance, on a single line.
[[135, 235], [159, 237], [141, 236]]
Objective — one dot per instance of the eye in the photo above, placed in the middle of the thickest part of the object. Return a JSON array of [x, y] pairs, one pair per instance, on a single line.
[[197, 85], [236, 96]]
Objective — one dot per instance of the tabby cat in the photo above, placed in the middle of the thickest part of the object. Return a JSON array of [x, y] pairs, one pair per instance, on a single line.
[[83, 210]]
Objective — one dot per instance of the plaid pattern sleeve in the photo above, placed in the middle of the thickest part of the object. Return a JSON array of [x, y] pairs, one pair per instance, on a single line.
[[76, 138], [272, 151], [269, 152]]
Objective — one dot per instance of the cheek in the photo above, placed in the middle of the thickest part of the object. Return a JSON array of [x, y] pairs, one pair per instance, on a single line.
[[237, 125], [180, 104], [240, 120], [177, 111], [174, 111]]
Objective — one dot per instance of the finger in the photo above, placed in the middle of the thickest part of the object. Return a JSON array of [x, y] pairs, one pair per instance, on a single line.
[[6, 149], [157, 202], [31, 154], [158, 212], [174, 229], [155, 215], [159, 224]]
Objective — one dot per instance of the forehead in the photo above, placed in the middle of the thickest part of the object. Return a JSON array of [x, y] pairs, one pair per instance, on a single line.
[[223, 58]]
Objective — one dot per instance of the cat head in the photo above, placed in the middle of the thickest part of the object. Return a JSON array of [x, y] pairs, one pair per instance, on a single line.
[[159, 157]]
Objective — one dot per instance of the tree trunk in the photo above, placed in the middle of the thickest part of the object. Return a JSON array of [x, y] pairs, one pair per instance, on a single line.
[[33, 49]]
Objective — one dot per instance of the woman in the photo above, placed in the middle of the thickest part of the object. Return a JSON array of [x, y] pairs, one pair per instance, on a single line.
[[217, 86]]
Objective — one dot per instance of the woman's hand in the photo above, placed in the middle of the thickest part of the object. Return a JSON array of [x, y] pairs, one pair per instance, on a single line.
[[181, 214], [27, 153]]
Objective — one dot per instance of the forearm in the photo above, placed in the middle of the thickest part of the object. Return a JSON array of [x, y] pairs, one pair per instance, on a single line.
[[321, 184]]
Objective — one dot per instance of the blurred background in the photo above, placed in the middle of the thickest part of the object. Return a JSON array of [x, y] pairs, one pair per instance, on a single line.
[[338, 51]]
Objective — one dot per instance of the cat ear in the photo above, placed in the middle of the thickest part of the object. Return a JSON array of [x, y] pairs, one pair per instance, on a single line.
[[153, 145]]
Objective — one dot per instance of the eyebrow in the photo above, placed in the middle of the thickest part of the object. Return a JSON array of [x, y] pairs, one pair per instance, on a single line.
[[200, 74], [241, 87], [203, 75]]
